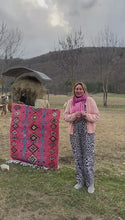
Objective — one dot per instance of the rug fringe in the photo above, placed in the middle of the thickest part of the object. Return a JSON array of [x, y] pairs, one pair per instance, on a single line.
[[27, 164]]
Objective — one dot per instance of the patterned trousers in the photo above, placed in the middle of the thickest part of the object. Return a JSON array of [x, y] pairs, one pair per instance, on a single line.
[[83, 150]]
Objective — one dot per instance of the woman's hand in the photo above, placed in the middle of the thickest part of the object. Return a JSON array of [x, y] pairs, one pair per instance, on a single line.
[[78, 114], [83, 114]]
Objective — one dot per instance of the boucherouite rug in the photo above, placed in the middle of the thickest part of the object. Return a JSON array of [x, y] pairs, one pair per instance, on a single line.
[[34, 135]]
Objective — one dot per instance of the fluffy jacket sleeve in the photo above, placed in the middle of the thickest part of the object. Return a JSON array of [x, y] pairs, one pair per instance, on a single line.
[[68, 117], [92, 114]]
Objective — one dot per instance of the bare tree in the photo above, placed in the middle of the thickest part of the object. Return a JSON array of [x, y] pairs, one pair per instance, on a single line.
[[10, 42], [69, 50], [107, 54], [10, 47], [2, 36], [13, 43]]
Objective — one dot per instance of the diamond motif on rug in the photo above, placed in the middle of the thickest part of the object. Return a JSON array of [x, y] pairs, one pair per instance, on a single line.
[[34, 127], [34, 138], [32, 159], [53, 126], [52, 138], [15, 125], [34, 117], [14, 149], [35, 109], [33, 148], [17, 107], [54, 120], [16, 120]]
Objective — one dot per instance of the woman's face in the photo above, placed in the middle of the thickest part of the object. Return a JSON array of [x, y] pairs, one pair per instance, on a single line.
[[79, 91]]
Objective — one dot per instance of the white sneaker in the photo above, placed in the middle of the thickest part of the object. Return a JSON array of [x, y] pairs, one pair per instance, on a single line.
[[78, 186], [91, 188]]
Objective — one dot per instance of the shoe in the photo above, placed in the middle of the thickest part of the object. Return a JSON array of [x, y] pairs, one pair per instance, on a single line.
[[78, 186], [91, 188]]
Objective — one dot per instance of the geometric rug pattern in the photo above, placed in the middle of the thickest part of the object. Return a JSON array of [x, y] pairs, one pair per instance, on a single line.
[[34, 135]]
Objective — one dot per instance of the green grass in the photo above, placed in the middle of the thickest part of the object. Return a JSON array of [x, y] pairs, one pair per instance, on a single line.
[[31, 189], [37, 194], [58, 101], [116, 95]]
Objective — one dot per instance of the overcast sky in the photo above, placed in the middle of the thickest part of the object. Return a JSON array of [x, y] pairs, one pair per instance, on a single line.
[[43, 22]]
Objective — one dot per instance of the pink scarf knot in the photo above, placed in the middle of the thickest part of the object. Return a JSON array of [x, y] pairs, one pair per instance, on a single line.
[[78, 104], [79, 99]]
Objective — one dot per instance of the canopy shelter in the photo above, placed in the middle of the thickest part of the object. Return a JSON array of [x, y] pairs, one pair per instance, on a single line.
[[24, 84]]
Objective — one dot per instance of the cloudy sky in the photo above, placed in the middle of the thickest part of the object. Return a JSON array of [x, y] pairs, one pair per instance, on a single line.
[[43, 22]]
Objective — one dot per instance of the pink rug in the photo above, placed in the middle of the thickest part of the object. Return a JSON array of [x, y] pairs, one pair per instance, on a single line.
[[34, 135]]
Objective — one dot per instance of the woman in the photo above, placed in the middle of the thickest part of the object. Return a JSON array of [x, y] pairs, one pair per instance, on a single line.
[[82, 113]]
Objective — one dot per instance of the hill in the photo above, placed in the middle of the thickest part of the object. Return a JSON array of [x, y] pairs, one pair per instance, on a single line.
[[87, 70]]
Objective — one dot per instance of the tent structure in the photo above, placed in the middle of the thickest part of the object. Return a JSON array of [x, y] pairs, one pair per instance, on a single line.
[[24, 84]]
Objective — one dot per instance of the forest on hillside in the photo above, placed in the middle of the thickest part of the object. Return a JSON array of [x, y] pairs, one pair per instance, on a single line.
[[88, 69]]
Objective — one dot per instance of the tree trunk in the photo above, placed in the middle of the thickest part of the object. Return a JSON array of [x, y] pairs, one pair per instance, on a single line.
[[105, 90], [105, 94]]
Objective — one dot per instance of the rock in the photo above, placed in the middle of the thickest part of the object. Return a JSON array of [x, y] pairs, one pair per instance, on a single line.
[[4, 167]]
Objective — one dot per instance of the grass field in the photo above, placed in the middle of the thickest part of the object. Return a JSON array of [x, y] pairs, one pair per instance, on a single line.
[[27, 193]]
